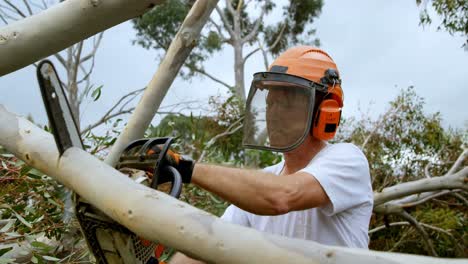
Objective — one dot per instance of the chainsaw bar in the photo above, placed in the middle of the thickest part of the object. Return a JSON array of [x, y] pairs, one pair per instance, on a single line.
[[58, 109], [109, 241]]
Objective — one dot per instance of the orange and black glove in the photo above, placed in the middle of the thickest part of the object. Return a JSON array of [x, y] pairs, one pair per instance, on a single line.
[[183, 164]]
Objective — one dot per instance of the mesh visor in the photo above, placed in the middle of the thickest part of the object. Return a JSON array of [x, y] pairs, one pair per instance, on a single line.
[[278, 112]]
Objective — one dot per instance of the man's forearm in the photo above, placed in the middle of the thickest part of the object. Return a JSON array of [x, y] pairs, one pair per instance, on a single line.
[[252, 190]]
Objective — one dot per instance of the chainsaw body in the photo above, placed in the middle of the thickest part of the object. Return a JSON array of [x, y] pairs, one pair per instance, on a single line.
[[143, 160]]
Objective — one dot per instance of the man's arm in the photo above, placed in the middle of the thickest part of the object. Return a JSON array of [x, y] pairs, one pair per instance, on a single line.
[[260, 192]]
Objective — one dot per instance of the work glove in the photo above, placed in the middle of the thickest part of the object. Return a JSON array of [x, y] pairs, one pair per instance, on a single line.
[[183, 164]]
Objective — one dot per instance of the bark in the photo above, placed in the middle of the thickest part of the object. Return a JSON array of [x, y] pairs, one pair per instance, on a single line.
[[239, 70], [183, 43], [458, 180], [38, 36], [172, 222]]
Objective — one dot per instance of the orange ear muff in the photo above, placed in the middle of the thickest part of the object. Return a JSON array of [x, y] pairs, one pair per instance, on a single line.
[[327, 119]]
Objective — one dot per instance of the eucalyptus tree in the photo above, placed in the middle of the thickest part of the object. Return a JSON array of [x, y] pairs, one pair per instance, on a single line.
[[244, 26], [454, 14]]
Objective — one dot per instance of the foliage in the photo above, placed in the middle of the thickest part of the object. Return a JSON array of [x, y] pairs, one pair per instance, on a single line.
[[31, 204], [409, 139], [295, 27], [403, 145], [454, 15]]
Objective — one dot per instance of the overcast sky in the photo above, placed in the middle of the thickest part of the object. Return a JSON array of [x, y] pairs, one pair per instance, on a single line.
[[378, 46]]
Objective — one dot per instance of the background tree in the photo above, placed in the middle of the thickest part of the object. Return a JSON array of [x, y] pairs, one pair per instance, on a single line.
[[235, 27], [407, 144], [454, 14], [75, 65]]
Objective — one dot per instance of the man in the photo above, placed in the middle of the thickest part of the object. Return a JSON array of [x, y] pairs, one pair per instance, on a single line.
[[320, 191]]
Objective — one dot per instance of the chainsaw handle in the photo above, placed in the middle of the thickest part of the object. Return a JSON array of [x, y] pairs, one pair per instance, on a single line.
[[176, 188]]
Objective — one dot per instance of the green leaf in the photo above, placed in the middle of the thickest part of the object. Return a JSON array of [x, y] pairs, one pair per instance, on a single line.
[[24, 170], [51, 201], [35, 174], [5, 250], [96, 93], [22, 220], [34, 259], [8, 226]]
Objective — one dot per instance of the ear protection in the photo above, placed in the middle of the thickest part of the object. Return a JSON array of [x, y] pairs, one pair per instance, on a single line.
[[328, 114]]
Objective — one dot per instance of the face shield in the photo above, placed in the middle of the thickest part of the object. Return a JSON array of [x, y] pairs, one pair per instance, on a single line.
[[279, 111]]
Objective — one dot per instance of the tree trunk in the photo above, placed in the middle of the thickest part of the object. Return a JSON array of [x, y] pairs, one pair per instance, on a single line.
[[46, 33], [181, 46], [239, 70], [159, 217]]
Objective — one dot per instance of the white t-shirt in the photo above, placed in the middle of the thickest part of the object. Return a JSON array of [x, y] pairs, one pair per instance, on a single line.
[[343, 171]]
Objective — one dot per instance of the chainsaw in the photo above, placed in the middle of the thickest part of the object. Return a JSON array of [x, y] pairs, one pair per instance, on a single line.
[[142, 160]]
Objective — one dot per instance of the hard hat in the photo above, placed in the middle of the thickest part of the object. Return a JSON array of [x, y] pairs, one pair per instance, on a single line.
[[301, 90]]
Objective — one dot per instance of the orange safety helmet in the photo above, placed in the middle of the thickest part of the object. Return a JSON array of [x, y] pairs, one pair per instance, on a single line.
[[316, 65]]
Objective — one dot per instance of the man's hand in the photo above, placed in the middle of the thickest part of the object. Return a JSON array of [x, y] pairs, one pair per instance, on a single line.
[[184, 165]]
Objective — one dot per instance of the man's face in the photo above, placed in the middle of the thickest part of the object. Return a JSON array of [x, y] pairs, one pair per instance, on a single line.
[[286, 114]]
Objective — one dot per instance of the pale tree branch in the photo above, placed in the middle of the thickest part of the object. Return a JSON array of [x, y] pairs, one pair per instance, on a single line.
[[278, 38], [225, 22], [213, 78], [377, 125], [96, 44], [60, 59], [424, 197], [239, 6], [411, 201], [179, 50], [426, 239], [453, 181], [220, 31], [76, 59], [86, 73], [250, 54], [108, 115], [382, 227], [264, 52], [233, 128], [106, 118], [264, 55], [427, 173], [460, 197], [17, 52], [257, 24], [230, 8], [458, 162]]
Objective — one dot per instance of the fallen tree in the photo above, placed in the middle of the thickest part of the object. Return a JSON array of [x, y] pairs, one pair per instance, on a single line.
[[174, 223], [62, 25], [171, 222]]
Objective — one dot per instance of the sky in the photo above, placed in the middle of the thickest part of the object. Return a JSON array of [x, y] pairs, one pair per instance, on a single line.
[[378, 46]]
